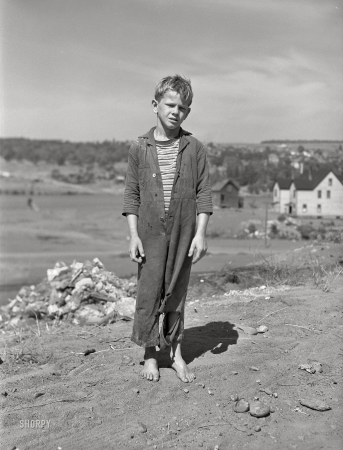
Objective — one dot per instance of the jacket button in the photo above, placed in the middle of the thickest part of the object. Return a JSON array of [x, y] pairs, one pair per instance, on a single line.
[[154, 175]]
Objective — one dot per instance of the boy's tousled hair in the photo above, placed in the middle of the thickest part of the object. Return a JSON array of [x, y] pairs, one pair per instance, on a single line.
[[176, 83]]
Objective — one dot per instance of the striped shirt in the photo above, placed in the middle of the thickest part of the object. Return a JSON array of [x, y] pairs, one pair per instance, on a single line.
[[167, 155]]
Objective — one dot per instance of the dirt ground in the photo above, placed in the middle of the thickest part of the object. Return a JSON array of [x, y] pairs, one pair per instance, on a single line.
[[99, 401]]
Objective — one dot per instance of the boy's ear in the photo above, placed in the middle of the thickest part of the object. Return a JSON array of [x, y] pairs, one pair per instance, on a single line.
[[154, 104]]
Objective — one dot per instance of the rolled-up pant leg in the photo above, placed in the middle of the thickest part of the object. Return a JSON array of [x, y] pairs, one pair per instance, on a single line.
[[149, 289]]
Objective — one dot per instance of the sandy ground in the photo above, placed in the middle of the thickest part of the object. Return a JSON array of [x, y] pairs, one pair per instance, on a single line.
[[99, 401]]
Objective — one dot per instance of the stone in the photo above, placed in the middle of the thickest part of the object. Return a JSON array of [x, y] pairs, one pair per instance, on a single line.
[[259, 409], [241, 406], [317, 405]]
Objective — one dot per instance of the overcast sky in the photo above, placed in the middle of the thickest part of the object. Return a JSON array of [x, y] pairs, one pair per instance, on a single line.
[[86, 69]]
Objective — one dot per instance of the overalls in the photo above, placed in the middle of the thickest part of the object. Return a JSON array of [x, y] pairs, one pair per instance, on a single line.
[[166, 237]]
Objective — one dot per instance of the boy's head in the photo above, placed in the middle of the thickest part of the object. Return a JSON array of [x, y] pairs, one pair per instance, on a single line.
[[173, 97], [175, 83]]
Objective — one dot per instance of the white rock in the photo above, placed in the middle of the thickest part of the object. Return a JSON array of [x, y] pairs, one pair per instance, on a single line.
[[84, 282]]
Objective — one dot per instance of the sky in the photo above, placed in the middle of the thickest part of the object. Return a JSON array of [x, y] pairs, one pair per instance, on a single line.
[[85, 70]]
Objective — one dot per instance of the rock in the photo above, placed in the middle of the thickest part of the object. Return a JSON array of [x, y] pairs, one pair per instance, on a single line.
[[257, 428], [234, 397], [254, 368], [266, 391], [186, 390], [84, 282], [275, 394], [314, 367], [259, 409], [142, 427], [246, 329], [317, 405], [89, 351], [262, 329], [241, 406], [126, 306]]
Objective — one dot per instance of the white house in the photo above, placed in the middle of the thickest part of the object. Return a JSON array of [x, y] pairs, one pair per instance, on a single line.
[[317, 193]]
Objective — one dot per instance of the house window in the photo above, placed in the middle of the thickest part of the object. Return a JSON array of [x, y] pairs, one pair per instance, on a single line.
[[330, 181], [275, 192], [319, 194], [294, 193], [222, 197], [328, 194], [319, 209], [229, 187], [304, 209]]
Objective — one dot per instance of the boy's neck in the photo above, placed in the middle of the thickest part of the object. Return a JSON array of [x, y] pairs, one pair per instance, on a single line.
[[162, 134]]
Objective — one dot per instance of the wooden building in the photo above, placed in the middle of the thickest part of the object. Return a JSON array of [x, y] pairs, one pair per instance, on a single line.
[[226, 194], [313, 193]]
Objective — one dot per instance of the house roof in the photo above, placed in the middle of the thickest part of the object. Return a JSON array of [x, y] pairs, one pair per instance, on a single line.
[[307, 181], [284, 183], [310, 180], [221, 184]]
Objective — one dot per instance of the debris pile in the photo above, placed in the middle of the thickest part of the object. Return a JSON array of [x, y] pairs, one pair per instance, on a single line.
[[82, 293]]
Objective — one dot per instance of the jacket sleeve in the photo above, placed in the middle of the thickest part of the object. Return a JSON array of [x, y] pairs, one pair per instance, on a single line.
[[131, 192], [203, 191]]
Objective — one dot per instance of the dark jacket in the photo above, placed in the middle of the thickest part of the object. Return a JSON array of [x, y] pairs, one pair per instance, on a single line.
[[144, 180]]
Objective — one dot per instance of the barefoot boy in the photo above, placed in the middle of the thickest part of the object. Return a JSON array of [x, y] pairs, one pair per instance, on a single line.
[[167, 186]]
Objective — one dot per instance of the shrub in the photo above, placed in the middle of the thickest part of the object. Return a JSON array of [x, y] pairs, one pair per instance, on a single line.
[[305, 231]]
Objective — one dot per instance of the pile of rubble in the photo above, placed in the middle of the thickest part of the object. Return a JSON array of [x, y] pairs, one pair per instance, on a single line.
[[82, 293]]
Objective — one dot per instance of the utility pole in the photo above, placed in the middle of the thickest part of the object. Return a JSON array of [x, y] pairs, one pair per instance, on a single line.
[[266, 225]]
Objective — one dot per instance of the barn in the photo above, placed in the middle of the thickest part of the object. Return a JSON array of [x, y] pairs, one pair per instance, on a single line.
[[226, 194]]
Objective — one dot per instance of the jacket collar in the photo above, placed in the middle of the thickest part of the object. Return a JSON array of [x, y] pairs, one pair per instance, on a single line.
[[184, 135]]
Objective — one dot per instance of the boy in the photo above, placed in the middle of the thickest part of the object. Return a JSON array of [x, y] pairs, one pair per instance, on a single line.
[[167, 184]]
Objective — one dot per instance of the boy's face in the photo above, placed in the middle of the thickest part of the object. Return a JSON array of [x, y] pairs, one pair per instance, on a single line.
[[171, 110]]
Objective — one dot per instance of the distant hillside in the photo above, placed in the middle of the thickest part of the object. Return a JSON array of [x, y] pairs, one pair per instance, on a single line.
[[61, 152]]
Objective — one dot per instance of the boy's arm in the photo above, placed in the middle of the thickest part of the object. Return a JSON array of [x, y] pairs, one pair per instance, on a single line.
[[198, 246], [131, 205], [136, 250], [203, 189], [131, 193]]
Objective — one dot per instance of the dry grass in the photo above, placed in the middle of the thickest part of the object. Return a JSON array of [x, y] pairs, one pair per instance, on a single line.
[[325, 276]]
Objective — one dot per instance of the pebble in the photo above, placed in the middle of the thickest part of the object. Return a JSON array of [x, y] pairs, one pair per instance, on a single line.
[[275, 394], [210, 392], [258, 409], [318, 405], [142, 427], [266, 391], [136, 391], [241, 406], [262, 329], [186, 390], [254, 368], [234, 372], [234, 397], [201, 385], [257, 428]]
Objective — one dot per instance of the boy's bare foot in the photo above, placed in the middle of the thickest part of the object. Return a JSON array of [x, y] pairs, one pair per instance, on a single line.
[[150, 370], [182, 370]]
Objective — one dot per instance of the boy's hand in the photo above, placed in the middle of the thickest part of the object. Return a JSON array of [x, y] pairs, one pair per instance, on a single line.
[[136, 250], [198, 248]]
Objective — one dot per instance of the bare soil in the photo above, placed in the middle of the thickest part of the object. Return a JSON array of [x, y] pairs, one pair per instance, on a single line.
[[99, 401]]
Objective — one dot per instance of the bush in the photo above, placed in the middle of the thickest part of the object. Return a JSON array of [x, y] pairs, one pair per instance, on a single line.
[[305, 231]]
